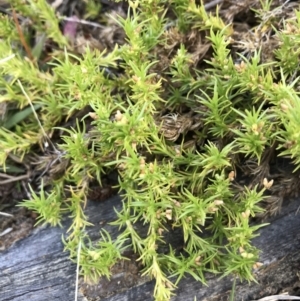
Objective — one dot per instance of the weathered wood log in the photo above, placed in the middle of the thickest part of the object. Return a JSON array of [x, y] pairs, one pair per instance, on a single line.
[[36, 268]]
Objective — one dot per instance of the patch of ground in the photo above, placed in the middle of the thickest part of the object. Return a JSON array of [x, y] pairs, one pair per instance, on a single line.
[[15, 225]]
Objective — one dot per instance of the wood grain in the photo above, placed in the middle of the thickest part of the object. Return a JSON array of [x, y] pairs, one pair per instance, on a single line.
[[36, 268]]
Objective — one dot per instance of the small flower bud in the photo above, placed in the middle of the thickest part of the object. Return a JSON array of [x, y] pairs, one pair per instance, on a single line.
[[231, 175], [218, 202], [169, 214], [93, 115], [268, 184], [151, 167], [257, 265], [118, 116], [160, 231], [246, 214]]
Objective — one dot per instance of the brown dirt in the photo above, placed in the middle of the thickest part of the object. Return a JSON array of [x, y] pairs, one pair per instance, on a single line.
[[15, 227]]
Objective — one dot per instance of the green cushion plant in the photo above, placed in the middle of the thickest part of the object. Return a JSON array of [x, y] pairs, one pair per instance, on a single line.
[[181, 127]]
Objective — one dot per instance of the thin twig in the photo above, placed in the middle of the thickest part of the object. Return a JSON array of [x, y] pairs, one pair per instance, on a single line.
[[29, 196], [6, 214], [278, 297], [77, 270], [6, 176], [16, 159], [21, 36], [82, 22], [6, 231], [14, 179], [286, 2], [212, 4], [35, 115]]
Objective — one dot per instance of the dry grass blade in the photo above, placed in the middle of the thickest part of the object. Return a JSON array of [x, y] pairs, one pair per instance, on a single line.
[[6, 231], [212, 4], [77, 270], [94, 24], [7, 58], [15, 179], [278, 297], [6, 214]]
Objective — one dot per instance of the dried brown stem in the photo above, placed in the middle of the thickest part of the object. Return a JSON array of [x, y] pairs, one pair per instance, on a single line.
[[21, 35], [14, 179]]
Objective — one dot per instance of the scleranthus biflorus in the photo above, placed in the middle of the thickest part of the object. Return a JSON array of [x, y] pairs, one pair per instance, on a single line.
[[178, 102]]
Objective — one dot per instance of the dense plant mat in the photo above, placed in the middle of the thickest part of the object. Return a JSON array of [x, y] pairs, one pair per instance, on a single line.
[[195, 105], [24, 263]]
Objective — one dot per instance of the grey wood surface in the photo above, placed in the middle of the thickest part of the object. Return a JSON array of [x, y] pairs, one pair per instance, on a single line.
[[36, 268]]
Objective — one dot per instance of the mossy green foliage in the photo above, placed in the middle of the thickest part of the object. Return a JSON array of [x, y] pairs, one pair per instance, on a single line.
[[245, 109]]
